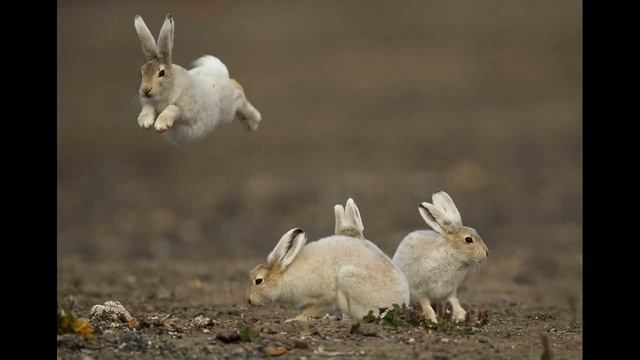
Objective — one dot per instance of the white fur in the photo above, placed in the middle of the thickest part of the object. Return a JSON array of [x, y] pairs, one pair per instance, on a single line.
[[340, 272], [443, 202], [348, 220], [435, 262], [199, 100], [343, 272]]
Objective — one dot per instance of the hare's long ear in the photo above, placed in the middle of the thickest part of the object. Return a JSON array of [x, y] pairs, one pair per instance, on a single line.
[[165, 40], [287, 249], [348, 221], [146, 39], [339, 211], [352, 215], [435, 218], [444, 203]]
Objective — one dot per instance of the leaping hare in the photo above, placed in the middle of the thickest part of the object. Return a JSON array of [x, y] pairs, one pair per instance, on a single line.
[[187, 105]]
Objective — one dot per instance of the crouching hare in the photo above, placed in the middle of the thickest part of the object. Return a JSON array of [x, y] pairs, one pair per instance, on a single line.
[[187, 105], [435, 262], [339, 272]]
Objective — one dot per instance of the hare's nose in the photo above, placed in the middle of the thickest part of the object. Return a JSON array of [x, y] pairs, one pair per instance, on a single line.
[[146, 91]]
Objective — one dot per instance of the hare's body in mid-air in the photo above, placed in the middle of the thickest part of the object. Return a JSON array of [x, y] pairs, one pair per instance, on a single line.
[[435, 262], [187, 104], [340, 272]]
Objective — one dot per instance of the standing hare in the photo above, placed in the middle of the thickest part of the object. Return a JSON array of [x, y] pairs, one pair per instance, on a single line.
[[435, 262], [340, 272], [187, 105]]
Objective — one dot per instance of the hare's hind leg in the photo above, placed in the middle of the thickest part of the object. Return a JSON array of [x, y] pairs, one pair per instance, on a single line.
[[314, 310], [248, 116], [354, 294]]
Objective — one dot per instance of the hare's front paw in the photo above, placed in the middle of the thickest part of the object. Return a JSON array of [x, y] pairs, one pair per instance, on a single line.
[[427, 311], [146, 120], [458, 316], [163, 123]]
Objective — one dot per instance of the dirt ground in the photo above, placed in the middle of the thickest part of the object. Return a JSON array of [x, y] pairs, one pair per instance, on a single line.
[[370, 100], [520, 312]]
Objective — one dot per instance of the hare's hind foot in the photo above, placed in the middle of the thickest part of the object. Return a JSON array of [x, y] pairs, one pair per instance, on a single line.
[[309, 311], [246, 114]]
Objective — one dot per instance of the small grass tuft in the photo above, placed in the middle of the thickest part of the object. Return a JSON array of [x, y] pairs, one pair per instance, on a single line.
[[403, 315], [248, 334]]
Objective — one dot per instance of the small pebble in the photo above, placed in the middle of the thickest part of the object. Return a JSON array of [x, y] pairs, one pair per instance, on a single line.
[[228, 337], [275, 350], [201, 321], [110, 311]]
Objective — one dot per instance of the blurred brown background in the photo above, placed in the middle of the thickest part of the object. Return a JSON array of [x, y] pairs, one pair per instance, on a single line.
[[382, 101]]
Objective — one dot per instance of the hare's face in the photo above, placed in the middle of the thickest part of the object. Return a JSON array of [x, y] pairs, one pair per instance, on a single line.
[[156, 72], [265, 280], [468, 245], [155, 78], [263, 286]]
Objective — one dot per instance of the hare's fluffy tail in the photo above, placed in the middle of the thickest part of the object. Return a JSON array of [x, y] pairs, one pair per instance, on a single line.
[[210, 67]]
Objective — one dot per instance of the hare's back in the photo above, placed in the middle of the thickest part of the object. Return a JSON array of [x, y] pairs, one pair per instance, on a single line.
[[210, 70], [334, 254], [341, 250], [416, 246]]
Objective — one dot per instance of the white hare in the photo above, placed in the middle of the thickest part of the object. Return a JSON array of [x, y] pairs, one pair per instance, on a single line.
[[187, 105], [336, 272], [435, 262]]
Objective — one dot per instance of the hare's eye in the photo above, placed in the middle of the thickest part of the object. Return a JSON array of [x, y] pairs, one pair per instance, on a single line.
[[468, 239], [161, 73], [258, 281]]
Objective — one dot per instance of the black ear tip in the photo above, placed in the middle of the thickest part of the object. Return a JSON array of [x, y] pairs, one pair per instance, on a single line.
[[421, 206], [169, 17], [296, 232]]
